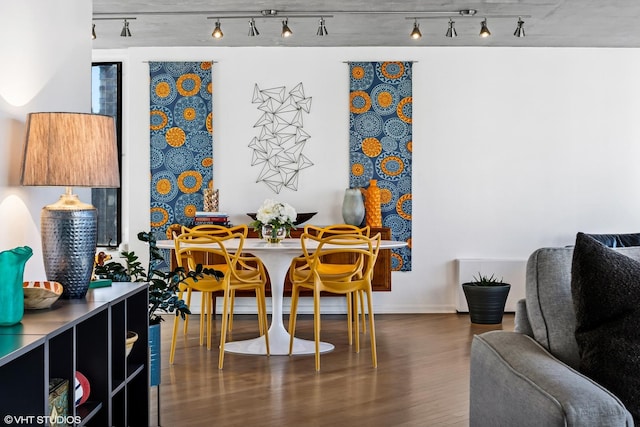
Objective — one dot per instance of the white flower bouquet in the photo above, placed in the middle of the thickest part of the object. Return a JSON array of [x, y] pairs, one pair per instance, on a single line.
[[278, 215]]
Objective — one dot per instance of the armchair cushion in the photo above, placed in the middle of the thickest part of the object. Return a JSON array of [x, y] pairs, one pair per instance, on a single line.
[[606, 294], [516, 382], [549, 302]]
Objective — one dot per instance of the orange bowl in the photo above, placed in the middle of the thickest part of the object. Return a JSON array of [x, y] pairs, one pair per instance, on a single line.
[[39, 295]]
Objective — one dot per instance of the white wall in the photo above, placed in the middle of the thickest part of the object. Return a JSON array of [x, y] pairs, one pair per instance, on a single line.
[[46, 66], [514, 148]]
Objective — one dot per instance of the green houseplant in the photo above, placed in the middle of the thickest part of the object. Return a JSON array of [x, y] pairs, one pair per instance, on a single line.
[[163, 290], [486, 297], [163, 285]]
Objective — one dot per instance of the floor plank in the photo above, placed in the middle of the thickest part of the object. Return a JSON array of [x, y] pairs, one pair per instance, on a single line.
[[422, 377]]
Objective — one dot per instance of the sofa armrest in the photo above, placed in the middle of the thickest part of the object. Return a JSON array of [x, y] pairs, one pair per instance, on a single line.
[[515, 381], [522, 324]]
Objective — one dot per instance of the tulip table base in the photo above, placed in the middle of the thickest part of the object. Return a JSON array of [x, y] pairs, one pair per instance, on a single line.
[[278, 345]]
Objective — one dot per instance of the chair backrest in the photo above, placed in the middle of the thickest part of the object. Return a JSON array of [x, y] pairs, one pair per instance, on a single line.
[[331, 230], [363, 250], [217, 230], [549, 301], [192, 248]]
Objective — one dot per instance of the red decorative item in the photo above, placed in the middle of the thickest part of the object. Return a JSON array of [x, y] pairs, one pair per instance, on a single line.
[[82, 389]]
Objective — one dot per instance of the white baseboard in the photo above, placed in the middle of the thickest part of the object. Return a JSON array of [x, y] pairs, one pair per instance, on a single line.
[[328, 305]]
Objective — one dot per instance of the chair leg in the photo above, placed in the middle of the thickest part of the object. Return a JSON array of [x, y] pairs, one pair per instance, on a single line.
[[350, 296], [260, 312], [372, 330], [209, 302], [174, 337], [186, 320], [316, 326], [295, 294], [262, 301], [356, 317], [223, 331], [203, 316], [364, 324], [233, 302]]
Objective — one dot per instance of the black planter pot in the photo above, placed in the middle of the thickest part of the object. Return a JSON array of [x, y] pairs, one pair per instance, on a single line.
[[486, 303]]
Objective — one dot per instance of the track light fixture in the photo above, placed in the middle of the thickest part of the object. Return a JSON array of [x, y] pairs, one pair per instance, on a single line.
[[415, 33], [322, 29], [451, 30], [416, 16], [253, 30], [125, 29], [484, 30], [286, 31], [519, 32], [464, 13], [217, 31]]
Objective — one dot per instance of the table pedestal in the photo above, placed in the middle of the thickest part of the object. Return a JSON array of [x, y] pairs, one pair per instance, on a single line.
[[277, 261]]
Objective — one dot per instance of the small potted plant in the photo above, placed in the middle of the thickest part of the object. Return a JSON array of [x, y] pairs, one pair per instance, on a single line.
[[486, 297]]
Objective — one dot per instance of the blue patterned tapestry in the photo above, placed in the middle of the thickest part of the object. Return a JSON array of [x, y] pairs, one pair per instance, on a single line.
[[381, 143], [181, 142]]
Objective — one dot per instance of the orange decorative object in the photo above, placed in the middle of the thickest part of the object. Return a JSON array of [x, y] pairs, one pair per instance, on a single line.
[[373, 213]]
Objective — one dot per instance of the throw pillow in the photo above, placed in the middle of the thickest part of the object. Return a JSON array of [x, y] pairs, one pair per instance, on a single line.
[[605, 286]]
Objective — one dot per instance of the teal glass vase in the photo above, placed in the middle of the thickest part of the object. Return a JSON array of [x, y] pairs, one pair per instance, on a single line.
[[12, 264]]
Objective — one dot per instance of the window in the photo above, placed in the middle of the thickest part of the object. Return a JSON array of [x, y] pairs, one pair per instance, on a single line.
[[106, 98]]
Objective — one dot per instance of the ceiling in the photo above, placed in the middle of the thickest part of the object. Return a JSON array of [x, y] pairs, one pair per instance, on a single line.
[[548, 23]]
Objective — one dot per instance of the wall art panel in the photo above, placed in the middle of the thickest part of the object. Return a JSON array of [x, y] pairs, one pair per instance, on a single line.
[[380, 139], [278, 146], [181, 150]]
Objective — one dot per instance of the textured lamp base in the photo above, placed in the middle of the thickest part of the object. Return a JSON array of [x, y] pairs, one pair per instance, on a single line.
[[68, 247]]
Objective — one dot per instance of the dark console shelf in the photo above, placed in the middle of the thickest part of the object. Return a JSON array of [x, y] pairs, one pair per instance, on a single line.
[[85, 335]]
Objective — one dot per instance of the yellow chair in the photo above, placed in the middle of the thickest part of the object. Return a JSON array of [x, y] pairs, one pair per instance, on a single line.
[[190, 247], [213, 230], [365, 251], [329, 267]]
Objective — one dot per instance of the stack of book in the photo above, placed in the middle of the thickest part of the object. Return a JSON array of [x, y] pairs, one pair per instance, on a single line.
[[217, 218]]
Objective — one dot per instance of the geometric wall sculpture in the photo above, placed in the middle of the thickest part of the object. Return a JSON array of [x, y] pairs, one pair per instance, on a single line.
[[181, 150], [278, 147], [380, 143]]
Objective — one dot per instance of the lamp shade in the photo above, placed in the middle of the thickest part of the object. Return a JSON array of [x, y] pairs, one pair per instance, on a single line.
[[71, 150]]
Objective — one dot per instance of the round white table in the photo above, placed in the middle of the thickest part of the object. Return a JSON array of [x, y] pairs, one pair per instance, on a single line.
[[276, 259]]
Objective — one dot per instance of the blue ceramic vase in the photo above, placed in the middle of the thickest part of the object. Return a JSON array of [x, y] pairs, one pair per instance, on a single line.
[[353, 207], [12, 264]]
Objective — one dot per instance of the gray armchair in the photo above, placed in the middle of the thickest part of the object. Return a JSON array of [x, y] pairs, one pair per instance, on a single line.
[[529, 377]]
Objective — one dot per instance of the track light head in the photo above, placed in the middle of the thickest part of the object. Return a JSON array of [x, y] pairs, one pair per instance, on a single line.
[[415, 33], [451, 30], [253, 30], [286, 31], [322, 29], [93, 31], [519, 32], [484, 30], [125, 29], [217, 31]]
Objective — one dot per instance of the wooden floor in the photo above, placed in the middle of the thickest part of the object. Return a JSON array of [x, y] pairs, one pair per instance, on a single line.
[[422, 377]]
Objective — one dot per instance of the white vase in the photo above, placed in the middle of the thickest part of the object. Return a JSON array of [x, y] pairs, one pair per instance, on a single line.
[[353, 207]]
